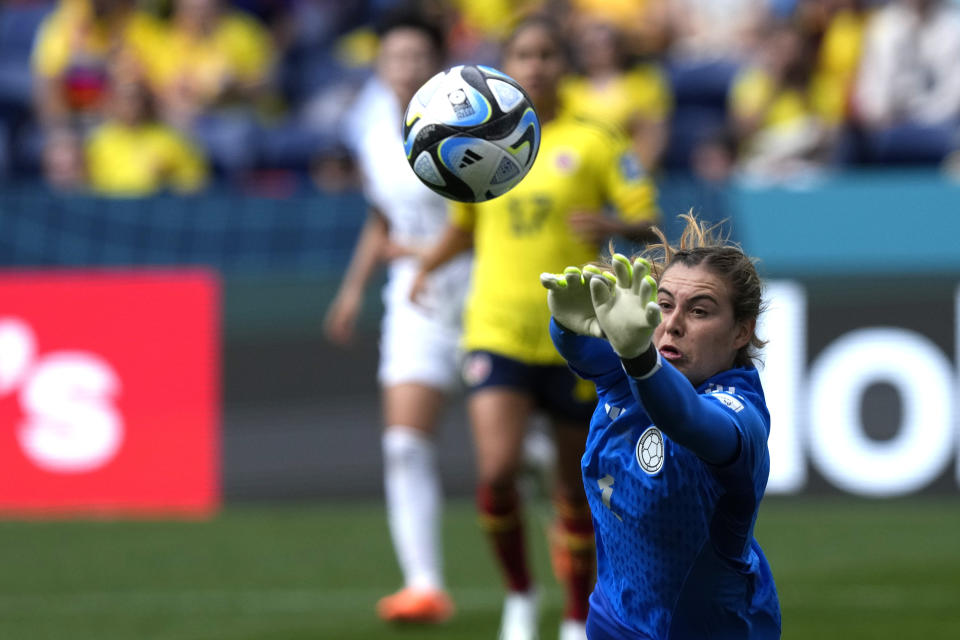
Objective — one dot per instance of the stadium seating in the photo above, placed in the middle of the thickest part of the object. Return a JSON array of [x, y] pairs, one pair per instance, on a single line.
[[222, 228], [315, 84], [18, 24], [700, 106]]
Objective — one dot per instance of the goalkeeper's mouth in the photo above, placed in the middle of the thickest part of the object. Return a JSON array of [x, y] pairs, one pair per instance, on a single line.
[[670, 352]]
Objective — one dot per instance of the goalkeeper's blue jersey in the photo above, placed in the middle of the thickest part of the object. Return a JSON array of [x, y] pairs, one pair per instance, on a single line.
[[676, 556]]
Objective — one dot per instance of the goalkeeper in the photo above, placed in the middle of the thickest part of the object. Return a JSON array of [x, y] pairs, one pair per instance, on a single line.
[[676, 460]]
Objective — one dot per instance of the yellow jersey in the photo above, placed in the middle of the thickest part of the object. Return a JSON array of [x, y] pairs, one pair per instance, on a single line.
[[238, 48], [754, 89], [828, 91], [641, 92], [76, 47], [625, 13], [581, 167], [140, 160], [837, 64]]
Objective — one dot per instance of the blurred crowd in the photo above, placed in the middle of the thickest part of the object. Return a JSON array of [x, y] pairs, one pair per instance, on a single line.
[[131, 97]]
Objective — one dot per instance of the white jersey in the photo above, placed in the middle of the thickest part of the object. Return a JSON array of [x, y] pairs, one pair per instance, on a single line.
[[417, 217]]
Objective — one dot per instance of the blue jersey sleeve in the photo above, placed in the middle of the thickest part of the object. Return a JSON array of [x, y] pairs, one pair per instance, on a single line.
[[589, 357], [709, 428]]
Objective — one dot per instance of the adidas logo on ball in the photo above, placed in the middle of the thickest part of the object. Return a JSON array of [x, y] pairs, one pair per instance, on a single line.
[[469, 157]]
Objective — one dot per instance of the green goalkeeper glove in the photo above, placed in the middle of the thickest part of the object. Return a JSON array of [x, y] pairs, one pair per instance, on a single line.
[[625, 306], [568, 296]]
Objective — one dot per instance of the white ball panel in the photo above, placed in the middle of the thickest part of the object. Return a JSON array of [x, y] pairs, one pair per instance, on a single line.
[[425, 93], [426, 169], [474, 161], [506, 95]]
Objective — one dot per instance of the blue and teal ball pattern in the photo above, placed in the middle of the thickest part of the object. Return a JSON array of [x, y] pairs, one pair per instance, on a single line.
[[471, 133]]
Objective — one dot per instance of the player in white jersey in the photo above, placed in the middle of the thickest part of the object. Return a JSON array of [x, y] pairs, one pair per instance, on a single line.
[[419, 343]]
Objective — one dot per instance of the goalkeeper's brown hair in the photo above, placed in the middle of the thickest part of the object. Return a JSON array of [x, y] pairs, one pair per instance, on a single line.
[[706, 244]]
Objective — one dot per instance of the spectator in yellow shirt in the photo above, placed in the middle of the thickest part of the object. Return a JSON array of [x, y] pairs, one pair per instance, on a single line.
[[612, 89], [837, 28], [212, 56], [132, 154], [645, 22], [74, 48], [782, 132]]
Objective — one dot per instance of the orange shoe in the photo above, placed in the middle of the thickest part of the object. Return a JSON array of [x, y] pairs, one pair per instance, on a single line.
[[416, 606]]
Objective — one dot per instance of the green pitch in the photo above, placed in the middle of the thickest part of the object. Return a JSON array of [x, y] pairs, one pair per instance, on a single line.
[[845, 569]]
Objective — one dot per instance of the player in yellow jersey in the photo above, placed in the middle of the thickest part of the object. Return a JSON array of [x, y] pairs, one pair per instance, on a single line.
[[554, 217]]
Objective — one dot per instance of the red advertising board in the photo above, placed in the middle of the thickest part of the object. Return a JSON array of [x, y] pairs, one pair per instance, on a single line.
[[109, 392]]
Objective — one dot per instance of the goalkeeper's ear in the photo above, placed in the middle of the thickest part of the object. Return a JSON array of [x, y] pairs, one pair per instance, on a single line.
[[745, 331]]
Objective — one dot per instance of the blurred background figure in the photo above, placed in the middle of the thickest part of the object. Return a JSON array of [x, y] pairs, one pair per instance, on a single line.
[[214, 57], [419, 346], [907, 100], [216, 79], [835, 30], [133, 154], [278, 16], [74, 50], [773, 110], [702, 45], [612, 86], [63, 165], [73, 53], [642, 22], [723, 31], [477, 28], [325, 77]]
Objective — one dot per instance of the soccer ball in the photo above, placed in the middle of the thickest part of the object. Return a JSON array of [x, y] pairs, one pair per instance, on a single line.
[[471, 133]]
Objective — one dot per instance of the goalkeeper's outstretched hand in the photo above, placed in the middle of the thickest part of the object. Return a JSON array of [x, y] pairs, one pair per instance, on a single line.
[[625, 306], [568, 296]]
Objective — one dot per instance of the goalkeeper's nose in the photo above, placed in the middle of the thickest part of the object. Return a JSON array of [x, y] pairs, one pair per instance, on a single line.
[[672, 323]]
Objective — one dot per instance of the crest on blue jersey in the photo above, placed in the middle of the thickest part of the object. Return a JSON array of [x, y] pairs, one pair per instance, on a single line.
[[650, 450]]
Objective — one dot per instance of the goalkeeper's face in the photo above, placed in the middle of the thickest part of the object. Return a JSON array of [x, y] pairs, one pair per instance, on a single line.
[[698, 334]]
